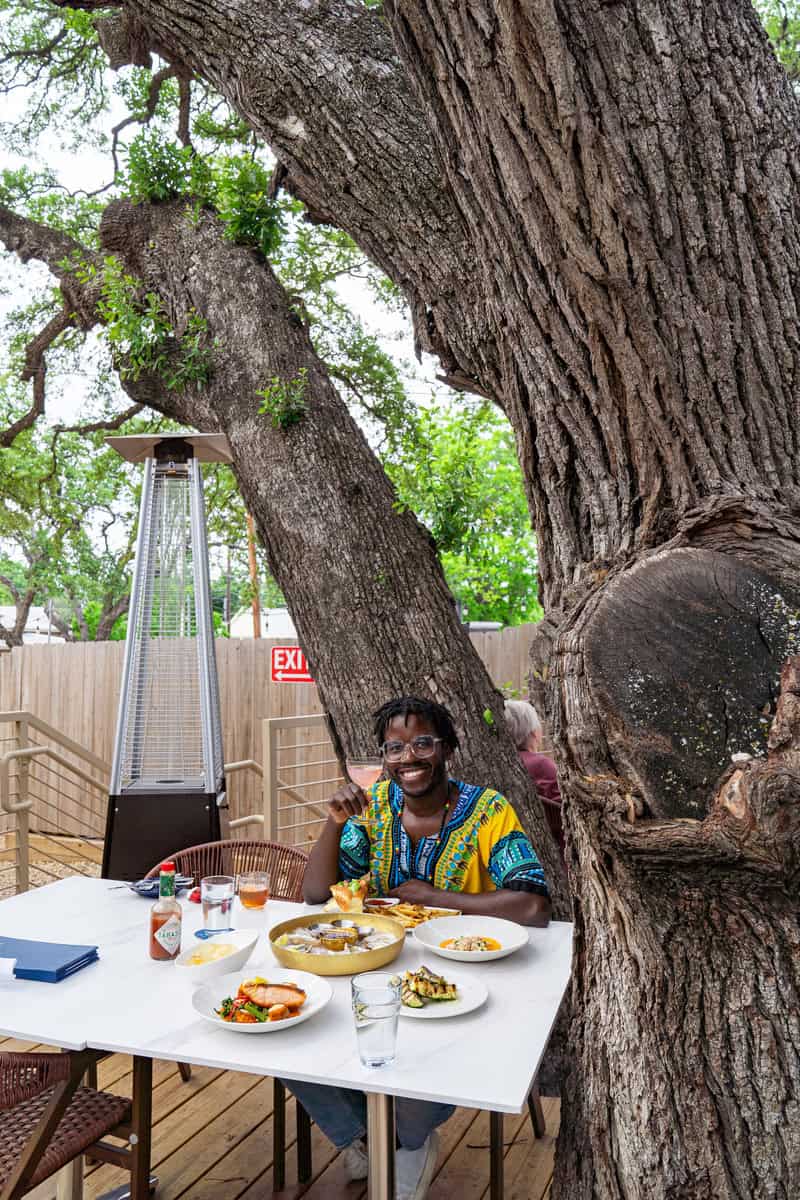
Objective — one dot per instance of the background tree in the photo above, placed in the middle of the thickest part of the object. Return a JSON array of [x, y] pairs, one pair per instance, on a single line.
[[458, 471]]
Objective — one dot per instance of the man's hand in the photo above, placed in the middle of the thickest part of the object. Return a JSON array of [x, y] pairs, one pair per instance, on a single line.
[[417, 891], [348, 802]]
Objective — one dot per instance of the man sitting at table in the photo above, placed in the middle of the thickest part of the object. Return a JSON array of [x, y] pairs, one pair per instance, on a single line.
[[423, 836]]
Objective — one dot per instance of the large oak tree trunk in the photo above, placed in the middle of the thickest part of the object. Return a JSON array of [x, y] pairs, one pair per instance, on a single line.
[[593, 209]]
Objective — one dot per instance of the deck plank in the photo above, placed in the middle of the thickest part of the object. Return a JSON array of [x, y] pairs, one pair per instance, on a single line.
[[212, 1140]]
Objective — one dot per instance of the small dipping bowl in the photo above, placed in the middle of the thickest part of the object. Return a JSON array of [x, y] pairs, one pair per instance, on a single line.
[[243, 942], [380, 904]]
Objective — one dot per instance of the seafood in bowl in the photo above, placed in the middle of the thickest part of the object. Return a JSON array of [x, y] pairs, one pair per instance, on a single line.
[[337, 945], [335, 937]]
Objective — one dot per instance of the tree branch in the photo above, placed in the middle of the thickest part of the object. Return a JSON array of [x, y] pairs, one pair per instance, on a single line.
[[109, 618], [11, 586], [36, 369], [184, 111], [95, 426], [154, 91]]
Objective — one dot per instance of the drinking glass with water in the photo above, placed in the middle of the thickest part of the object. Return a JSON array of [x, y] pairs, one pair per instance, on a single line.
[[216, 894], [376, 1009]]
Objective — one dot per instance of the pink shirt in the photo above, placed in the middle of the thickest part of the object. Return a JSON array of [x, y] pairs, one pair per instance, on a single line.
[[542, 771]]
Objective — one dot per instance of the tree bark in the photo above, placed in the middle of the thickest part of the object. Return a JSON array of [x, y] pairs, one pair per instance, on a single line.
[[618, 266]]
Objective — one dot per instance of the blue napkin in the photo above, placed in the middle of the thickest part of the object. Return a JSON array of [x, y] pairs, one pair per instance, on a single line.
[[47, 962]]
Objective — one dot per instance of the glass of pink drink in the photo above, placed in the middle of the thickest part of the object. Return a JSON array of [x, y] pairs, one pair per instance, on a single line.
[[364, 770]]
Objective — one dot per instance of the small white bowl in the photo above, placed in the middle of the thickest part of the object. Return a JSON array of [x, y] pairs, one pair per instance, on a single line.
[[244, 941], [380, 904], [509, 934]]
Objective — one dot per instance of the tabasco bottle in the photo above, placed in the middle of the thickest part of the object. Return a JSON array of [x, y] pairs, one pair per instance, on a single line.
[[165, 917]]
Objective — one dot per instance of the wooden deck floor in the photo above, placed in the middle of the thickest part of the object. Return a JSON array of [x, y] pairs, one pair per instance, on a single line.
[[212, 1140]]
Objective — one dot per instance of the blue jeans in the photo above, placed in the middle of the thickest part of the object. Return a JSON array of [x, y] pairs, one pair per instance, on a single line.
[[342, 1114]]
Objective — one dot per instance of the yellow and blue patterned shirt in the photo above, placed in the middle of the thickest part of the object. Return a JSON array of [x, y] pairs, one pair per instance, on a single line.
[[482, 846]]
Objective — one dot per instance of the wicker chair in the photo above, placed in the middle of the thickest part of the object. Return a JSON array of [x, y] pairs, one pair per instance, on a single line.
[[47, 1120], [286, 866]]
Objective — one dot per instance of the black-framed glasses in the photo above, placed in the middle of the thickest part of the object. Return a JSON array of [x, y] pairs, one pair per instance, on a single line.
[[423, 746]]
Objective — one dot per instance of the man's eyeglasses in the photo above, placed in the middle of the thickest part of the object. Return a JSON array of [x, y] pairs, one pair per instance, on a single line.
[[422, 747]]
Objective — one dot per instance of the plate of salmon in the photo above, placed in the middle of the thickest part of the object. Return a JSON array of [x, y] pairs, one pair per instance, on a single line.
[[262, 1003]]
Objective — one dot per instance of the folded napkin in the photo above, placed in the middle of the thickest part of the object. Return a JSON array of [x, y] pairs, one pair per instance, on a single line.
[[47, 962]]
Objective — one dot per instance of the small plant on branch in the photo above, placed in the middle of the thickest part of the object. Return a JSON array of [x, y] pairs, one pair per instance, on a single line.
[[285, 399]]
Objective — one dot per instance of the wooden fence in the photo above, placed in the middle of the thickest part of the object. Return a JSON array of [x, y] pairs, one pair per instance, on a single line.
[[75, 687]]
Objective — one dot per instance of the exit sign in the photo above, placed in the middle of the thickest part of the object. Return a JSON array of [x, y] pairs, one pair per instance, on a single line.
[[289, 665]]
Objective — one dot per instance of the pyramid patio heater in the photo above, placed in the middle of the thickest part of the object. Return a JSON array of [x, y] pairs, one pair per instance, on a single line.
[[167, 784]]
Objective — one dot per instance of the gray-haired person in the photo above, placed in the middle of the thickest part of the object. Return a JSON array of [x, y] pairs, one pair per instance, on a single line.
[[525, 728]]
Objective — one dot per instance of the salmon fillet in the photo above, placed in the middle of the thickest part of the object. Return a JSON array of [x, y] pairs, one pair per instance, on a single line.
[[267, 994]]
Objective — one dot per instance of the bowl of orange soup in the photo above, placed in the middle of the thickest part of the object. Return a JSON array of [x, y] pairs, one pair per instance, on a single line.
[[471, 939]]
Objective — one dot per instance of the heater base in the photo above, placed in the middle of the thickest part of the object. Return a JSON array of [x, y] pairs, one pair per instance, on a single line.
[[142, 828]]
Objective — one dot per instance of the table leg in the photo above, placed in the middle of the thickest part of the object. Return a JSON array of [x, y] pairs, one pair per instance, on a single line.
[[278, 1135], [304, 1164], [142, 1127], [496, 1151], [69, 1180], [537, 1113], [381, 1139]]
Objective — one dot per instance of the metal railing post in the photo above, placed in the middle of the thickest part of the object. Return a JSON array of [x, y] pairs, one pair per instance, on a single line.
[[23, 872], [270, 759]]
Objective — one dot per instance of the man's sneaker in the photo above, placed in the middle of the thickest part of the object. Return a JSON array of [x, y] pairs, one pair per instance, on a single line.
[[355, 1161], [414, 1169]]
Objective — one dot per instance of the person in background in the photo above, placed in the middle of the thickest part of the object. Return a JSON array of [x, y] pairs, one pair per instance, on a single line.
[[421, 835], [525, 728]]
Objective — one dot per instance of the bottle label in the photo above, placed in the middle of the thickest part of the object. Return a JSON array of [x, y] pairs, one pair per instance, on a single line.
[[168, 935], [166, 884]]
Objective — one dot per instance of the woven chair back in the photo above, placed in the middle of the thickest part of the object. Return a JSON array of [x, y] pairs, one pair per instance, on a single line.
[[286, 864]]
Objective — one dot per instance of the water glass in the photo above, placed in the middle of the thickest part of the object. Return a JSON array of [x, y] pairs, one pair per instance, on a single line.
[[254, 889], [216, 895], [376, 1011]]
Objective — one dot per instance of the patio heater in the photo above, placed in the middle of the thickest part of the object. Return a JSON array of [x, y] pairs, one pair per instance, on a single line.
[[167, 783]]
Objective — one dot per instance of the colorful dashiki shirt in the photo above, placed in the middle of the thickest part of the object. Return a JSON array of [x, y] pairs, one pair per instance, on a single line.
[[482, 845]]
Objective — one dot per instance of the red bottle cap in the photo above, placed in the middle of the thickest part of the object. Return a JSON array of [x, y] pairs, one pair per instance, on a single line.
[[167, 866]]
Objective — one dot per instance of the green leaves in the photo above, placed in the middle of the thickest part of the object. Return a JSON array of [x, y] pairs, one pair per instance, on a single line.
[[142, 338], [161, 170], [285, 399], [238, 189], [235, 186], [781, 19], [458, 471]]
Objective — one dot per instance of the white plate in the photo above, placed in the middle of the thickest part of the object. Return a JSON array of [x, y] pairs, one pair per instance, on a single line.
[[510, 936], [471, 995], [208, 998]]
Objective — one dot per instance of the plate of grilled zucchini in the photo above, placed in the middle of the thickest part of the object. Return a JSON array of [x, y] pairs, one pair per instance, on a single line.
[[429, 996]]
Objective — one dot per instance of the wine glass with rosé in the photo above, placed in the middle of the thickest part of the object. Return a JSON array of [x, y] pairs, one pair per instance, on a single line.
[[364, 770]]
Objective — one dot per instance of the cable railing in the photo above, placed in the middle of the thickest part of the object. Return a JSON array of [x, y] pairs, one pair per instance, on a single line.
[[52, 804], [54, 794], [300, 773]]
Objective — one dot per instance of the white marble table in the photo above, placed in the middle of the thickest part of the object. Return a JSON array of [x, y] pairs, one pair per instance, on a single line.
[[487, 1059]]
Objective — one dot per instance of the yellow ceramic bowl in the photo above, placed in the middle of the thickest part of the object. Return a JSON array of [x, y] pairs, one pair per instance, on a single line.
[[341, 962]]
